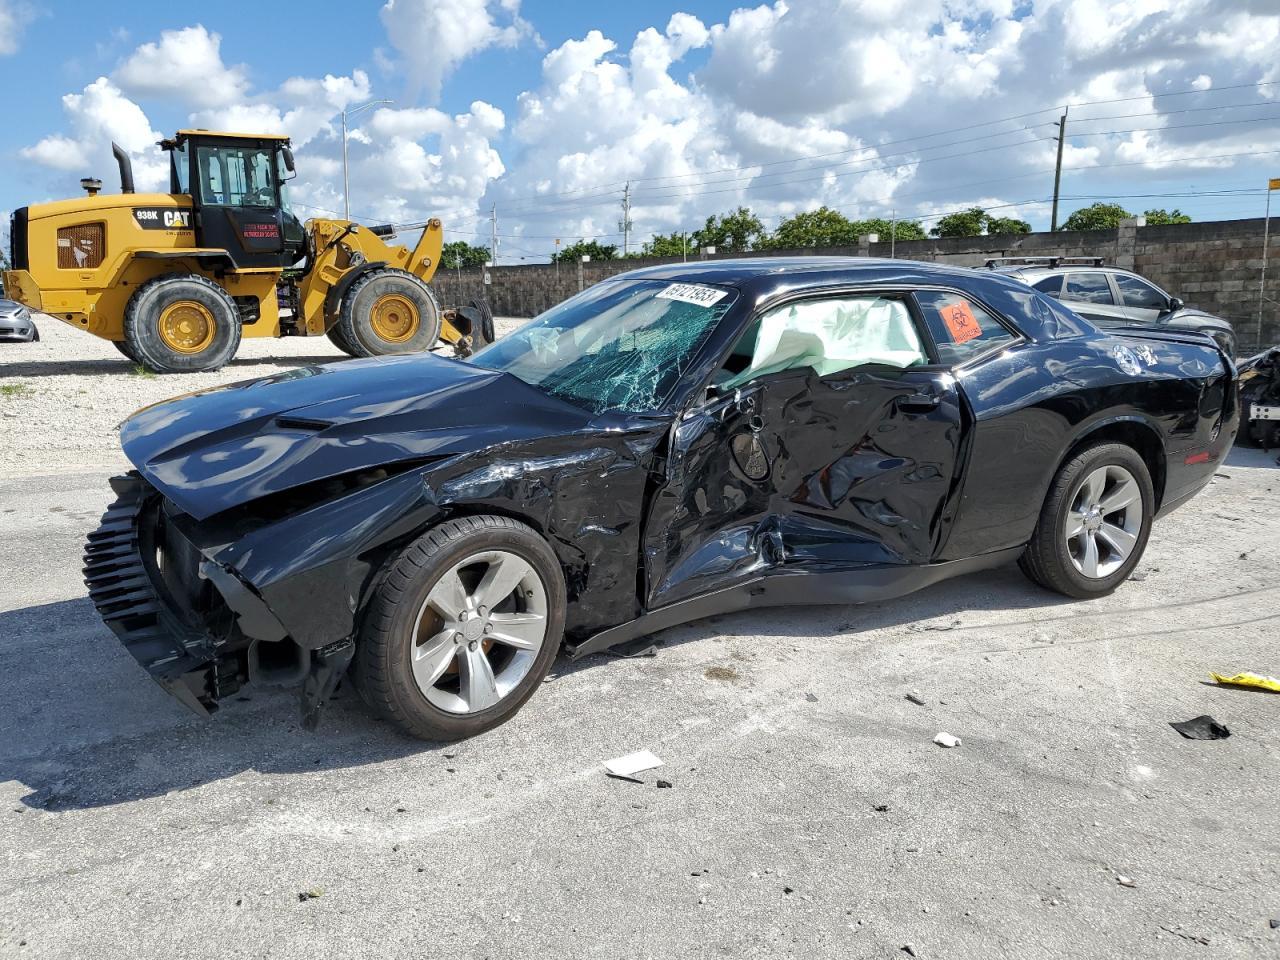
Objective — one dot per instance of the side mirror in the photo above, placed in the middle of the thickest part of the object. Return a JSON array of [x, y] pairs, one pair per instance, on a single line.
[[288, 160], [1175, 304]]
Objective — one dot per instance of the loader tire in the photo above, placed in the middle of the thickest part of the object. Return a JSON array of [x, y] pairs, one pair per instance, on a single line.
[[335, 336], [124, 349], [181, 323], [387, 312]]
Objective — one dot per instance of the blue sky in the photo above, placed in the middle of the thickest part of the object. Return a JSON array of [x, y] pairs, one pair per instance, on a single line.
[[547, 109]]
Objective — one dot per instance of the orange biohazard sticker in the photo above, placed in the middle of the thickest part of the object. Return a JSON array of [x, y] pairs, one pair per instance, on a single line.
[[960, 321]]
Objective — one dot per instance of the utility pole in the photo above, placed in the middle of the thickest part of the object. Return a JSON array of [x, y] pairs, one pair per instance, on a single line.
[[1266, 242], [1057, 171], [493, 235], [625, 223], [893, 233]]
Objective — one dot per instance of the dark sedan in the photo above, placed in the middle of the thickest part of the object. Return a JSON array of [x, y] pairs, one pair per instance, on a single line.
[[671, 443], [16, 325]]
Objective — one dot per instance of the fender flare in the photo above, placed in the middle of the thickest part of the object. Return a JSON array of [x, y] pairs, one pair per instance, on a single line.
[[1128, 421], [333, 299]]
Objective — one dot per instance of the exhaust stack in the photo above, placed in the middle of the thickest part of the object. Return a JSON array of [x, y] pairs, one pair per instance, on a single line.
[[126, 168]]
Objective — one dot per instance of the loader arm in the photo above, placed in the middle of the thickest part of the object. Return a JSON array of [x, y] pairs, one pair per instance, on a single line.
[[343, 250]]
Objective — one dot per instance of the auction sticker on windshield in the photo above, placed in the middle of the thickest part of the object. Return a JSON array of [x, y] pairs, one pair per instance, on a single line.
[[692, 293]]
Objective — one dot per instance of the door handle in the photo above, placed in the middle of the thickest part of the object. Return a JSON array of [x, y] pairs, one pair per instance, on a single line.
[[918, 402]]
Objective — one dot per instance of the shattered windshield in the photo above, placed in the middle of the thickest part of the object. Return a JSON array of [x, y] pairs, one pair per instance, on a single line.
[[622, 345]]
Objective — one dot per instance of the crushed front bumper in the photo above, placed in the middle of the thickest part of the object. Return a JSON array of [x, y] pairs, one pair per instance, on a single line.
[[192, 623]]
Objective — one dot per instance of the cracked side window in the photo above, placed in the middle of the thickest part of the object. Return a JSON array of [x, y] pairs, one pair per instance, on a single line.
[[622, 345]]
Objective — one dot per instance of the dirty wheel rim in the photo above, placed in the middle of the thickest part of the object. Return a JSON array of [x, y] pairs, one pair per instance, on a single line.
[[1104, 521], [187, 327], [395, 318], [479, 632]]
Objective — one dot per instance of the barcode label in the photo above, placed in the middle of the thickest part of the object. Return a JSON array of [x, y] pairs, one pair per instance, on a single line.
[[692, 293]]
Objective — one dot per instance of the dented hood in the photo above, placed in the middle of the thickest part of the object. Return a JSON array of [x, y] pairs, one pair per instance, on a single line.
[[216, 449]]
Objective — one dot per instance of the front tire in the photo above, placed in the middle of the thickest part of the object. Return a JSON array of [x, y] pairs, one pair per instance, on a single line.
[[181, 323], [1094, 525], [388, 312], [462, 629]]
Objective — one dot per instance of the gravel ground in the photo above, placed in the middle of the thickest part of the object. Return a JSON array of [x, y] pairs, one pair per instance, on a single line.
[[809, 815]]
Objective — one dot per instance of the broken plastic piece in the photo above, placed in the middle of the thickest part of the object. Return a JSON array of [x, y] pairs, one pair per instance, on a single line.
[[916, 699], [1126, 881], [1203, 727], [947, 740], [1254, 680], [631, 764]]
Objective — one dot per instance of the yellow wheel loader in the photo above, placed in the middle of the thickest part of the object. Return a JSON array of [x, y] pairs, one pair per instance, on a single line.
[[175, 280]]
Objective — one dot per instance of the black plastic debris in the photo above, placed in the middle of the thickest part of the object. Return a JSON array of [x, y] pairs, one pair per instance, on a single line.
[[664, 784], [881, 808], [811, 697], [1202, 728], [909, 950], [1275, 924], [643, 647], [314, 893], [619, 776], [916, 699]]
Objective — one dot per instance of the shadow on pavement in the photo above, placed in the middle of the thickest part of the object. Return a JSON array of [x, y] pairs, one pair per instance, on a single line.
[[83, 726]]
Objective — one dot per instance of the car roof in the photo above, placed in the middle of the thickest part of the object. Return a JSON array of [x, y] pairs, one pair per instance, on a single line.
[[740, 270], [761, 278]]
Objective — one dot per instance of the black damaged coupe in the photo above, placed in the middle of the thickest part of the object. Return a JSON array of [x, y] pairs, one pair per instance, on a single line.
[[671, 443]]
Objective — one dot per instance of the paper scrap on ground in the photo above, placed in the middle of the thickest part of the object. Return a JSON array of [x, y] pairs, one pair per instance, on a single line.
[[946, 740], [632, 763], [1257, 681]]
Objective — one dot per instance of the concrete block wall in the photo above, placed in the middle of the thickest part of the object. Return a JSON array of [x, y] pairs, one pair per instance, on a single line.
[[1215, 266]]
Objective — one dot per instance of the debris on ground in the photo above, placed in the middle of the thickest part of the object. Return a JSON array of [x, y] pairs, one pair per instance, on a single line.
[[1253, 680], [881, 808], [934, 627], [812, 698], [909, 950], [1138, 576], [315, 893], [1275, 924], [947, 740], [664, 784], [1126, 881], [625, 768], [1203, 727], [915, 698]]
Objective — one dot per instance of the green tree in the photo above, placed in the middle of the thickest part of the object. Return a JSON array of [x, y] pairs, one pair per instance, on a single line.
[[1160, 218], [823, 227], [459, 253], [1007, 225], [668, 245], [586, 248], [965, 223], [1097, 216], [734, 232], [886, 229]]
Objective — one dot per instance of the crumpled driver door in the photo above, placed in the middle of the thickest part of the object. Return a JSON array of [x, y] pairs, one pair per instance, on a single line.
[[852, 470]]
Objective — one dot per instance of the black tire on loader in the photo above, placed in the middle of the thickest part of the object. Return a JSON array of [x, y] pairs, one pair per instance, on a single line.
[[124, 349], [181, 323], [387, 312], [335, 336]]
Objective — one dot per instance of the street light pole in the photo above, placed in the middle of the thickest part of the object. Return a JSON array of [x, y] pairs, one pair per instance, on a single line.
[[346, 184]]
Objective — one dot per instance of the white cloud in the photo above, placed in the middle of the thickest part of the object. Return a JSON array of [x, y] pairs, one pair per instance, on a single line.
[[96, 117], [434, 36], [14, 17], [186, 65]]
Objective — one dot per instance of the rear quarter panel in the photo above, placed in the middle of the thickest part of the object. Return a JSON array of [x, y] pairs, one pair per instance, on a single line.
[[1037, 401]]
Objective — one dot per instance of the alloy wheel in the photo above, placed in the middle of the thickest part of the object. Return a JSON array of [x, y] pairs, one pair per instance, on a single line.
[[479, 631], [1104, 521]]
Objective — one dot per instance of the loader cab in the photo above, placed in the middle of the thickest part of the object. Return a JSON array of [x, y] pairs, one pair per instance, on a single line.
[[236, 184]]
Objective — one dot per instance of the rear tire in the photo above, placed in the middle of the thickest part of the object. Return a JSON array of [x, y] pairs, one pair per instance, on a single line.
[[181, 323], [124, 349], [389, 312], [438, 662], [1094, 525]]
